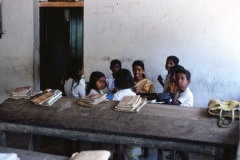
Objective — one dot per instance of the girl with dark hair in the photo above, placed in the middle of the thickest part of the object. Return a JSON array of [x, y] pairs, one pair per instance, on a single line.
[[97, 83], [143, 85], [74, 83], [172, 85], [123, 82], [170, 62]]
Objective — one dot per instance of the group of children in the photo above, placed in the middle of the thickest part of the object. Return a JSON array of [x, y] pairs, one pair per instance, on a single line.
[[176, 83], [122, 83]]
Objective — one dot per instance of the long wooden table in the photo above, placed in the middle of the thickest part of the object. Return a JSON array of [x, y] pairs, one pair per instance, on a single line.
[[160, 126]]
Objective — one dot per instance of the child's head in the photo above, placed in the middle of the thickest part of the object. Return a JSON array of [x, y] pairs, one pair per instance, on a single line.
[[96, 81], [171, 61], [75, 67], [115, 66], [124, 79], [138, 69], [173, 71], [183, 78]]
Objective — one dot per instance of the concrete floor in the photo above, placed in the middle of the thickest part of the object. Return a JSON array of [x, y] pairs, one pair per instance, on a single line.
[[53, 145]]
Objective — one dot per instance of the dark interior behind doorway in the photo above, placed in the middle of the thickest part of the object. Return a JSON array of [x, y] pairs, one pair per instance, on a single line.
[[60, 41]]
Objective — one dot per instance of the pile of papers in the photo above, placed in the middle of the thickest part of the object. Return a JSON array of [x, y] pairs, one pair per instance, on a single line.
[[21, 92], [92, 100], [24, 92], [47, 98], [131, 104]]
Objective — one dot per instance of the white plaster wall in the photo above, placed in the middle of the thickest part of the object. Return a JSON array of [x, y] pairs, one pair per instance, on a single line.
[[205, 35], [17, 45]]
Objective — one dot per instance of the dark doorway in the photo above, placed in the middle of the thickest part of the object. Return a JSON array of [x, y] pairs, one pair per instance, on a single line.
[[61, 39]]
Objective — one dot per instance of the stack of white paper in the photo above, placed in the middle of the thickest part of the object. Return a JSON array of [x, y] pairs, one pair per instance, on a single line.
[[21, 92], [47, 98], [131, 104], [92, 100]]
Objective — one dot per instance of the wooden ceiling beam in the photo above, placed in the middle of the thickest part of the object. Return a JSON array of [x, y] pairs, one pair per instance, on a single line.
[[61, 4]]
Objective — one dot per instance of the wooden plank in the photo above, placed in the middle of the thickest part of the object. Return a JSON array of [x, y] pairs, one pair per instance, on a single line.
[[108, 138], [61, 4]]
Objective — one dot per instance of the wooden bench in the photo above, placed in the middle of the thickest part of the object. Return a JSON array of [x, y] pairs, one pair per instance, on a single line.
[[30, 155]]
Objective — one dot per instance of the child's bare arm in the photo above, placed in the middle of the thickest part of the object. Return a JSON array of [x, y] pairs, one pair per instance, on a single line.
[[138, 90], [175, 99], [160, 80]]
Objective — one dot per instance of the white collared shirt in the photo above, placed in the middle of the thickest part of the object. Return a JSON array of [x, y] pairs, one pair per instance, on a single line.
[[121, 93], [186, 98], [110, 83], [74, 90], [93, 91]]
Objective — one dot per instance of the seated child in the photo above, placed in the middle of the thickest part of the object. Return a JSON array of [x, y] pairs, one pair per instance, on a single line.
[[97, 82], [142, 84], [74, 83], [115, 66], [123, 82], [183, 96], [170, 62], [172, 85]]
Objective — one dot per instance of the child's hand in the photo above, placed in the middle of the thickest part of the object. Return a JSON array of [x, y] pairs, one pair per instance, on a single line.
[[138, 90], [160, 79], [182, 88], [175, 99], [115, 90], [134, 89]]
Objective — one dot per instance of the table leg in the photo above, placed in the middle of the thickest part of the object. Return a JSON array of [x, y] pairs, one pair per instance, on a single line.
[[145, 152], [33, 144], [160, 154], [30, 143], [219, 153], [172, 155], [3, 138]]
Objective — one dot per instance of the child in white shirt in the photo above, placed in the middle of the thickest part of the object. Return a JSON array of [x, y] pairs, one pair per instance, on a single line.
[[115, 66], [184, 96], [124, 83], [74, 83]]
